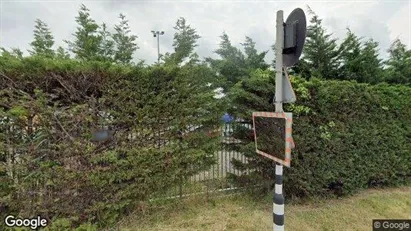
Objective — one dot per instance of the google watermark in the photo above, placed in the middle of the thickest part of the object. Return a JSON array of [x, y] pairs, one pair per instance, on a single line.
[[33, 223], [391, 225]]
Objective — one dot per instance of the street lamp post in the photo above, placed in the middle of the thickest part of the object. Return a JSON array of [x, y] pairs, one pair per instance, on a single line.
[[157, 34]]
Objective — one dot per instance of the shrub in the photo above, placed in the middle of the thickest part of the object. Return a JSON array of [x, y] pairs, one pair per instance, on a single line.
[[348, 136], [48, 111]]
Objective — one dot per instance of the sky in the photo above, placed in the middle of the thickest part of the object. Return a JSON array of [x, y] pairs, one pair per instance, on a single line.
[[382, 20]]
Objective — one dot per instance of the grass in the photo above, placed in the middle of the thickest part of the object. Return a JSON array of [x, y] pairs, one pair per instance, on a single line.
[[240, 212]]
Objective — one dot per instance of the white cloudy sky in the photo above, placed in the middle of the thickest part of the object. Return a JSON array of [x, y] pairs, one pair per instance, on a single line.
[[383, 21]]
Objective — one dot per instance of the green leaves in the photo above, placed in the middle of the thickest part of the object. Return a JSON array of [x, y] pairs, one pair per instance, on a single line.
[[43, 40], [399, 64], [360, 60], [343, 131], [18, 111], [47, 118], [185, 40], [254, 60], [106, 50], [353, 59], [124, 42], [320, 53], [86, 45], [234, 65]]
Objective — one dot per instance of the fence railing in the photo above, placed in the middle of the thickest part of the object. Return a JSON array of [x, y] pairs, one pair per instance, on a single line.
[[215, 177]]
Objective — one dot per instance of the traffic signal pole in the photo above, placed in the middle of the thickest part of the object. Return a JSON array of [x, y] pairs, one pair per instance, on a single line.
[[278, 198]]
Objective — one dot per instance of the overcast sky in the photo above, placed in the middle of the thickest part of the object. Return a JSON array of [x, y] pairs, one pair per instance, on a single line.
[[384, 21]]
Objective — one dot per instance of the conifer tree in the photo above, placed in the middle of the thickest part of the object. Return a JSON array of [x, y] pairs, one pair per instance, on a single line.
[[86, 45], [185, 40], [106, 50], [350, 56], [124, 42], [62, 53], [17, 52], [253, 59], [371, 64], [231, 67], [43, 40], [399, 63], [360, 60], [320, 52]]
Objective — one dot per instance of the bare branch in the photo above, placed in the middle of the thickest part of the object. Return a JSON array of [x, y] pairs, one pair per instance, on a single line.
[[2, 74], [58, 122]]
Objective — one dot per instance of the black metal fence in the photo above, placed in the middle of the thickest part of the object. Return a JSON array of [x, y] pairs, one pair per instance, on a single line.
[[215, 178]]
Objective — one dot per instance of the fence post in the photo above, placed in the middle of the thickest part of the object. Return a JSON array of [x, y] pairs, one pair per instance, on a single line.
[[180, 187]]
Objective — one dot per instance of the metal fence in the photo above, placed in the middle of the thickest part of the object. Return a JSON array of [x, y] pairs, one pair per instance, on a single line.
[[212, 179], [215, 178]]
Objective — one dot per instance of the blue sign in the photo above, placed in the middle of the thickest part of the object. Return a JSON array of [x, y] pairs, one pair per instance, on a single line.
[[227, 118], [102, 135]]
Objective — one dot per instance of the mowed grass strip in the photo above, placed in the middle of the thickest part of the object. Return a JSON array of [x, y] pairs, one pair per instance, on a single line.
[[239, 212]]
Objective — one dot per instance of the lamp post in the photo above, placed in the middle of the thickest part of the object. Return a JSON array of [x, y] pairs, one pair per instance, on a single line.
[[157, 34]]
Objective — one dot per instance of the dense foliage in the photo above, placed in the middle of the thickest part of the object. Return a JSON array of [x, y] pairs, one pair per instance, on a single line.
[[160, 117], [348, 136], [49, 109], [324, 56], [233, 64]]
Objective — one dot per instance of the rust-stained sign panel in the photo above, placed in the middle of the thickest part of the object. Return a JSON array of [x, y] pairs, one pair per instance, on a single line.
[[273, 135]]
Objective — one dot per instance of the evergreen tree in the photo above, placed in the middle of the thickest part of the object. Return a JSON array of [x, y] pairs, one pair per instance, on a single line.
[[61, 53], [43, 40], [106, 50], [350, 57], [227, 51], [302, 68], [253, 59], [360, 61], [398, 64], [231, 67], [86, 45], [15, 52], [371, 64], [185, 40], [4, 52], [320, 53], [125, 44]]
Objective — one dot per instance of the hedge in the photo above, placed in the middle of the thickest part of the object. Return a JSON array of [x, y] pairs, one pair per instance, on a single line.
[[348, 136], [48, 111]]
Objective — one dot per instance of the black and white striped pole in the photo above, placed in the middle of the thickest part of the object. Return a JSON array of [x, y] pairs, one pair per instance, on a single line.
[[278, 202], [290, 39], [278, 198]]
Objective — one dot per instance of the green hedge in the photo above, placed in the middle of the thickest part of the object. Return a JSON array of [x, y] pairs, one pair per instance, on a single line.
[[48, 111], [348, 136]]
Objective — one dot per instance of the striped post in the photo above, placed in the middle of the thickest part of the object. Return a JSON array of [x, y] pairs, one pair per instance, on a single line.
[[278, 199]]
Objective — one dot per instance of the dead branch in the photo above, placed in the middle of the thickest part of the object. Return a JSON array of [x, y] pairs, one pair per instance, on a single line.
[[68, 89], [2, 74], [61, 126]]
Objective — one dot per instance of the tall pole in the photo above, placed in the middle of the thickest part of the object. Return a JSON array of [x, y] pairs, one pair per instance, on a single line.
[[157, 34], [279, 44], [158, 48], [278, 198]]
